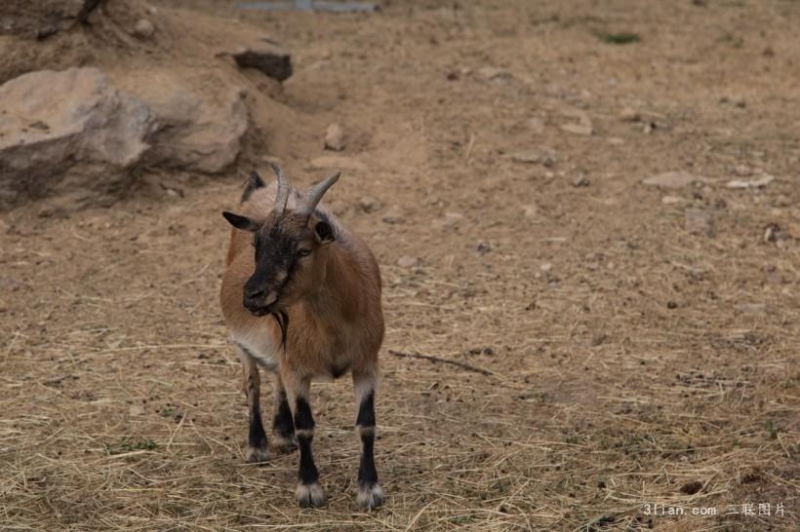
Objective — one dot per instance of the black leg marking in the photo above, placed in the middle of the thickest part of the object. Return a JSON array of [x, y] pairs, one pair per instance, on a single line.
[[370, 494], [257, 438], [367, 475], [308, 491], [283, 425], [304, 427]]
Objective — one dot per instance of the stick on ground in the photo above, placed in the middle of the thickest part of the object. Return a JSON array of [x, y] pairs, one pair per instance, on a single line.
[[442, 360]]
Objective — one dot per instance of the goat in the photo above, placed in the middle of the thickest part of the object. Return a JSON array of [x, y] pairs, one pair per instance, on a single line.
[[305, 304]]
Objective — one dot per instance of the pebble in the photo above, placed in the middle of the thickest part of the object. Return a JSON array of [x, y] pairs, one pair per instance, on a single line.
[[671, 180], [144, 29], [629, 115], [334, 138], [368, 204], [407, 261], [580, 181], [699, 222]]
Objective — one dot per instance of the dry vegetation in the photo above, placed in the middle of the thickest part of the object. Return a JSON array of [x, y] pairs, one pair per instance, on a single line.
[[630, 361]]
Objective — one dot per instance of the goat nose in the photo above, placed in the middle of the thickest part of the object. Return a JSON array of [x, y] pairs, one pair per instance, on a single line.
[[254, 293]]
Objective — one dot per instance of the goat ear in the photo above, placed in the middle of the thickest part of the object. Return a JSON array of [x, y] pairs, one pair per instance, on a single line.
[[323, 232], [240, 222]]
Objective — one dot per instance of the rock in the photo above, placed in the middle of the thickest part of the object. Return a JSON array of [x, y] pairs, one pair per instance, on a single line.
[[536, 124], [334, 138], [43, 17], [394, 216], [368, 204], [578, 129], [266, 56], [407, 262], [629, 115], [545, 156], [530, 211], [483, 248], [672, 200], [337, 162], [489, 73], [546, 267], [699, 222], [671, 180], [144, 29], [763, 181], [70, 133], [580, 180], [451, 220], [136, 410], [197, 131], [584, 123]]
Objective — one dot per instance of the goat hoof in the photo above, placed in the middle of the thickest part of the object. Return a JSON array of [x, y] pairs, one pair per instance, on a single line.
[[256, 456], [310, 495], [283, 444], [370, 496]]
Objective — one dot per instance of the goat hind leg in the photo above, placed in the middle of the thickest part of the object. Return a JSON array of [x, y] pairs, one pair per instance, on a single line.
[[370, 494]]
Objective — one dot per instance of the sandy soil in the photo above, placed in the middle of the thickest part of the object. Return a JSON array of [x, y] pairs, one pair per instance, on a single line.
[[635, 358]]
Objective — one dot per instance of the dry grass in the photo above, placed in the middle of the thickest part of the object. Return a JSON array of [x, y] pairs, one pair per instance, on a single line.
[[630, 362]]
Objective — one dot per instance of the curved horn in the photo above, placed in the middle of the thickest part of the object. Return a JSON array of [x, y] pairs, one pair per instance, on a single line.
[[313, 197], [283, 190]]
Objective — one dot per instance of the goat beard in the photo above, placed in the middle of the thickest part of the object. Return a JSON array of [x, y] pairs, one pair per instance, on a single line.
[[283, 322]]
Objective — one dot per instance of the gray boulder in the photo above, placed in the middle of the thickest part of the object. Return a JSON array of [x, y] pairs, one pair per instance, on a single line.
[[69, 133]]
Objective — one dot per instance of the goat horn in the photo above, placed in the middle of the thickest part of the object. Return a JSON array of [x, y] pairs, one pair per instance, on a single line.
[[313, 197], [283, 190]]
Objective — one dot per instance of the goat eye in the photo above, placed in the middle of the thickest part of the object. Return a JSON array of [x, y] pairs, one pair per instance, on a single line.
[[303, 252]]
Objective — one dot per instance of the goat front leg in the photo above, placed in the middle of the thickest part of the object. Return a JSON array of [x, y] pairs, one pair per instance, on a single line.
[[309, 493], [257, 438], [283, 438], [370, 494]]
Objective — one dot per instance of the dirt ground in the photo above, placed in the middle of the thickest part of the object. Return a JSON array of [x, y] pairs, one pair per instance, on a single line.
[[641, 361]]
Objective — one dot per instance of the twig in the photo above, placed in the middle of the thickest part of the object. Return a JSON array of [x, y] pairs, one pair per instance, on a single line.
[[442, 360]]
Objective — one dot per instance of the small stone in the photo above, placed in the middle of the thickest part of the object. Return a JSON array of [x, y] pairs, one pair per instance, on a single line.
[[699, 222], [544, 156], [144, 29], [334, 138], [629, 115], [578, 129], [489, 73], [580, 181], [546, 267], [46, 212], [394, 216], [530, 211], [483, 248], [136, 410], [763, 181], [671, 180], [407, 262], [536, 124], [672, 200], [368, 204]]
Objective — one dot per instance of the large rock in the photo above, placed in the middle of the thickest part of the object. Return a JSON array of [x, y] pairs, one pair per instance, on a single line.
[[200, 120], [69, 133], [41, 17], [266, 56]]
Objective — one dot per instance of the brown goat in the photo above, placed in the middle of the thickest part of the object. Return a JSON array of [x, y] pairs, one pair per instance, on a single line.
[[301, 296]]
